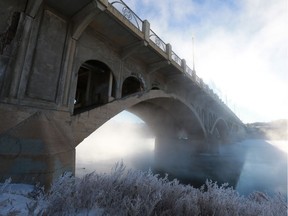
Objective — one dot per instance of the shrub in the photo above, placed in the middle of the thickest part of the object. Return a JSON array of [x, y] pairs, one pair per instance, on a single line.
[[133, 192]]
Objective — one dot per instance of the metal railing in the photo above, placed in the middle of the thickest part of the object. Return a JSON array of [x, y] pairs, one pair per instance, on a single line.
[[197, 80], [189, 71], [157, 40], [176, 58], [128, 13]]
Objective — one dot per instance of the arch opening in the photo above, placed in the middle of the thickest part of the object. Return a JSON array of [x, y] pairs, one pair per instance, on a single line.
[[155, 88], [125, 137], [131, 85], [95, 86], [221, 131], [177, 133]]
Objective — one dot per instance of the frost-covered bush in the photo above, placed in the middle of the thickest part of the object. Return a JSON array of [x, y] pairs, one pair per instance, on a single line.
[[133, 192], [15, 200], [128, 192], [4, 185]]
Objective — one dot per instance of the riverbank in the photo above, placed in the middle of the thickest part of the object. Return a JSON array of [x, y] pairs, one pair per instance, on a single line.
[[128, 192]]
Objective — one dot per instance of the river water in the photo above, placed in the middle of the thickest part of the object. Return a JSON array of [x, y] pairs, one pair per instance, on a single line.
[[264, 168], [253, 165]]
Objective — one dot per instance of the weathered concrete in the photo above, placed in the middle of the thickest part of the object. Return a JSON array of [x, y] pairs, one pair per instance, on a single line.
[[67, 69], [35, 145]]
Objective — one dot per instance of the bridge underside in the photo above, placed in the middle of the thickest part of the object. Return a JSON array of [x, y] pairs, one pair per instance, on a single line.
[[65, 70], [37, 146]]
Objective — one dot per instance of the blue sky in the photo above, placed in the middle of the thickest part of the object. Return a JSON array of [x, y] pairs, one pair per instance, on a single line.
[[240, 48]]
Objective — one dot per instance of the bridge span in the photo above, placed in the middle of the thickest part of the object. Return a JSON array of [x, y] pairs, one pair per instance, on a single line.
[[66, 69]]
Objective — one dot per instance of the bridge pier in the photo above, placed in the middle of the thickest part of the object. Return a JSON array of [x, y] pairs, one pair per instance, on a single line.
[[34, 146], [64, 73], [174, 152], [194, 161]]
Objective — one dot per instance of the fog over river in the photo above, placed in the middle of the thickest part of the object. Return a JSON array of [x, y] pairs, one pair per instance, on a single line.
[[261, 165], [265, 167]]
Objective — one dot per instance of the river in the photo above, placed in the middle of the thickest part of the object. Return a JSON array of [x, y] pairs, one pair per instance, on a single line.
[[253, 165], [264, 168]]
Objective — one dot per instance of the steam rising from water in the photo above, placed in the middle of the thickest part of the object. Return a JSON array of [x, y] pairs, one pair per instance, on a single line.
[[265, 167], [255, 164], [124, 137], [280, 144]]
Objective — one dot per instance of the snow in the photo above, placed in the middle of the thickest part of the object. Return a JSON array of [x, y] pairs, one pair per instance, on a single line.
[[14, 198]]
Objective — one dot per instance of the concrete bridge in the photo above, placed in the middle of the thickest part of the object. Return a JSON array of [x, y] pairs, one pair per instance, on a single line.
[[67, 67]]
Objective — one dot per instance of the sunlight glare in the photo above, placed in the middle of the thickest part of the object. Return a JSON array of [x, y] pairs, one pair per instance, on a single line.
[[123, 137], [281, 145]]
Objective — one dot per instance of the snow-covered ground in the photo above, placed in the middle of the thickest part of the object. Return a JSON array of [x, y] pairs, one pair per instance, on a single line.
[[14, 198]]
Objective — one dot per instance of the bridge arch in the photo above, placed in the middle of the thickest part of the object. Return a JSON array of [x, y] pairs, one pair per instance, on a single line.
[[178, 128], [155, 88], [210, 120], [169, 109], [131, 85], [95, 86], [161, 111], [220, 129]]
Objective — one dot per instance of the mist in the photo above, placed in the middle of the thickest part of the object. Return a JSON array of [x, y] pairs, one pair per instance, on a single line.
[[123, 138], [258, 163], [265, 167]]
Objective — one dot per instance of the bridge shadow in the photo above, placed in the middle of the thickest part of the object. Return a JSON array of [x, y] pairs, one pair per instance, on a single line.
[[250, 165], [195, 168]]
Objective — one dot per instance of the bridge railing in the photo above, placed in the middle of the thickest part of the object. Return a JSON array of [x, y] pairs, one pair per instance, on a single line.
[[155, 39], [189, 71], [127, 13], [193, 75], [176, 58]]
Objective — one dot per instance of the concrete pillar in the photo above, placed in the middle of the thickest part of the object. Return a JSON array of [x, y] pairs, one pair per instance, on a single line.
[[183, 65], [35, 146], [88, 88], [169, 51], [146, 30], [67, 74], [32, 7], [21, 54], [212, 144], [172, 152], [110, 87], [193, 161], [194, 75]]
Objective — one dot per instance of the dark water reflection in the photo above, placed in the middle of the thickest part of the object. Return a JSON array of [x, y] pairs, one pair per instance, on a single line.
[[251, 165]]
